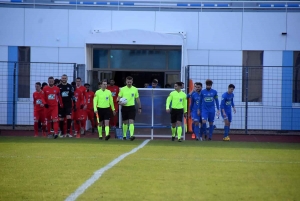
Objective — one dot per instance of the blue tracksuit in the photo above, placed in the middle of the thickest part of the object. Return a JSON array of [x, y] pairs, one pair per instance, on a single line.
[[208, 99], [226, 104]]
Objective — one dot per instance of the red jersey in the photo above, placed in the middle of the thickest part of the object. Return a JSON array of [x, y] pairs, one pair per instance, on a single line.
[[52, 95], [83, 90], [79, 98], [89, 97], [114, 92], [38, 100]]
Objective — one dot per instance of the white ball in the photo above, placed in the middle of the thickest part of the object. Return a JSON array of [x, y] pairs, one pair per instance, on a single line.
[[123, 101]]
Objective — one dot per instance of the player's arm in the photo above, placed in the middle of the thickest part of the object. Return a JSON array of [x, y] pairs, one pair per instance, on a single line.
[[59, 98], [222, 105], [200, 103], [111, 102], [95, 102], [71, 95], [82, 102], [184, 105], [192, 104], [120, 94], [169, 99], [34, 100], [217, 101], [138, 101], [45, 99], [232, 105]]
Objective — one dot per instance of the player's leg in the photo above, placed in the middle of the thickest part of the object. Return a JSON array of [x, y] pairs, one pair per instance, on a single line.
[[173, 124], [61, 115], [179, 117], [125, 119], [106, 117], [204, 115], [225, 119], [68, 113], [229, 114], [54, 115], [90, 114], [195, 119], [83, 122], [42, 119], [131, 116], [36, 118], [101, 120], [211, 118]]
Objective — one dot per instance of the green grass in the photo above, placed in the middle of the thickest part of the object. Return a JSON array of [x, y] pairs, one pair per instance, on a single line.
[[43, 169]]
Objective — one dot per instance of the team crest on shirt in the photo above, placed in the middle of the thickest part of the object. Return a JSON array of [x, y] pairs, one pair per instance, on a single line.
[[180, 100], [54, 91], [132, 95], [106, 98], [38, 102]]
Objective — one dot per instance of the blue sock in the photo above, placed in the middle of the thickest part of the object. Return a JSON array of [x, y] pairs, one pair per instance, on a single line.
[[193, 127], [201, 131], [196, 131], [226, 131], [204, 129], [211, 129]]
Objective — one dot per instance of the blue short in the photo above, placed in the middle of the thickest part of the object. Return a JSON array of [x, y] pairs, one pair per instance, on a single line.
[[195, 116], [208, 115], [228, 116]]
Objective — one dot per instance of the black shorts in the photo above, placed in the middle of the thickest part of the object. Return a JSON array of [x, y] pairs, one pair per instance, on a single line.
[[104, 113], [66, 110], [176, 115], [128, 112]]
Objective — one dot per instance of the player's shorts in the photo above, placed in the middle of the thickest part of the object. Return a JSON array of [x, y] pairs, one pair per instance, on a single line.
[[208, 115], [128, 112], [176, 115], [52, 113], [78, 115], [103, 113], [39, 115], [195, 116], [228, 116], [66, 110]]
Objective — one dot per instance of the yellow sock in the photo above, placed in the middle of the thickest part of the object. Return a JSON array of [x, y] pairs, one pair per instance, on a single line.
[[179, 132], [173, 131], [100, 131], [106, 130], [131, 129], [125, 128]]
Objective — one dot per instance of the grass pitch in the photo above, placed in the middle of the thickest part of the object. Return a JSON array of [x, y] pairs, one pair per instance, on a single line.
[[43, 169]]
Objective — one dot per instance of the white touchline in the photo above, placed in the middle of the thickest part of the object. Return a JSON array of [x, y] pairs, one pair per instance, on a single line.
[[100, 172]]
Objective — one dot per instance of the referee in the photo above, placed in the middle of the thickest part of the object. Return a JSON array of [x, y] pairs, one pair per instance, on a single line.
[[128, 110], [179, 107], [102, 101]]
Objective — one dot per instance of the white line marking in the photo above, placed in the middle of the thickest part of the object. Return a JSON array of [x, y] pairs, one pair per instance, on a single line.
[[100, 172]]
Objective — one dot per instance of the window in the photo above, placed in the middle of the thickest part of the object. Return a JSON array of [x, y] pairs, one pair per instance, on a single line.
[[253, 60], [296, 77], [23, 72], [100, 58]]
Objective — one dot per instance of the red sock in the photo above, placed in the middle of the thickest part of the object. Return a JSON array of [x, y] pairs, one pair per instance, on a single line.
[[44, 127], [55, 127], [36, 128], [49, 126], [83, 123], [77, 127]]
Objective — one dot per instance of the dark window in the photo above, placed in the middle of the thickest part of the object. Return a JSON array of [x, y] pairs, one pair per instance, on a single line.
[[296, 77], [23, 72], [253, 60]]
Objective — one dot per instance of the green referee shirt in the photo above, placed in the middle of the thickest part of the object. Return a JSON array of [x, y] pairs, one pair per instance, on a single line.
[[178, 101], [130, 94], [103, 99]]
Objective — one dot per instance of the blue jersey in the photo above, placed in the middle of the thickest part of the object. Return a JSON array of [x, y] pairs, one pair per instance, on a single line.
[[227, 101], [189, 96], [195, 101], [208, 98]]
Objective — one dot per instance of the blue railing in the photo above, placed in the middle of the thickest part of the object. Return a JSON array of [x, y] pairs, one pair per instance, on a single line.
[[181, 5]]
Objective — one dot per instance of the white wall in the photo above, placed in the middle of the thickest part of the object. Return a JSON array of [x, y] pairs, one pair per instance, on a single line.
[[262, 31], [3, 83], [293, 31], [12, 26], [220, 31]]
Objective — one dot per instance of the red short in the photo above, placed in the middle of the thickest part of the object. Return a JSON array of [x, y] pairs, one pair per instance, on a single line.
[[78, 115], [39, 115], [52, 113]]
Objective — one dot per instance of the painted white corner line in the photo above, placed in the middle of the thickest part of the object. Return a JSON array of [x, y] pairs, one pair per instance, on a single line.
[[100, 172]]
